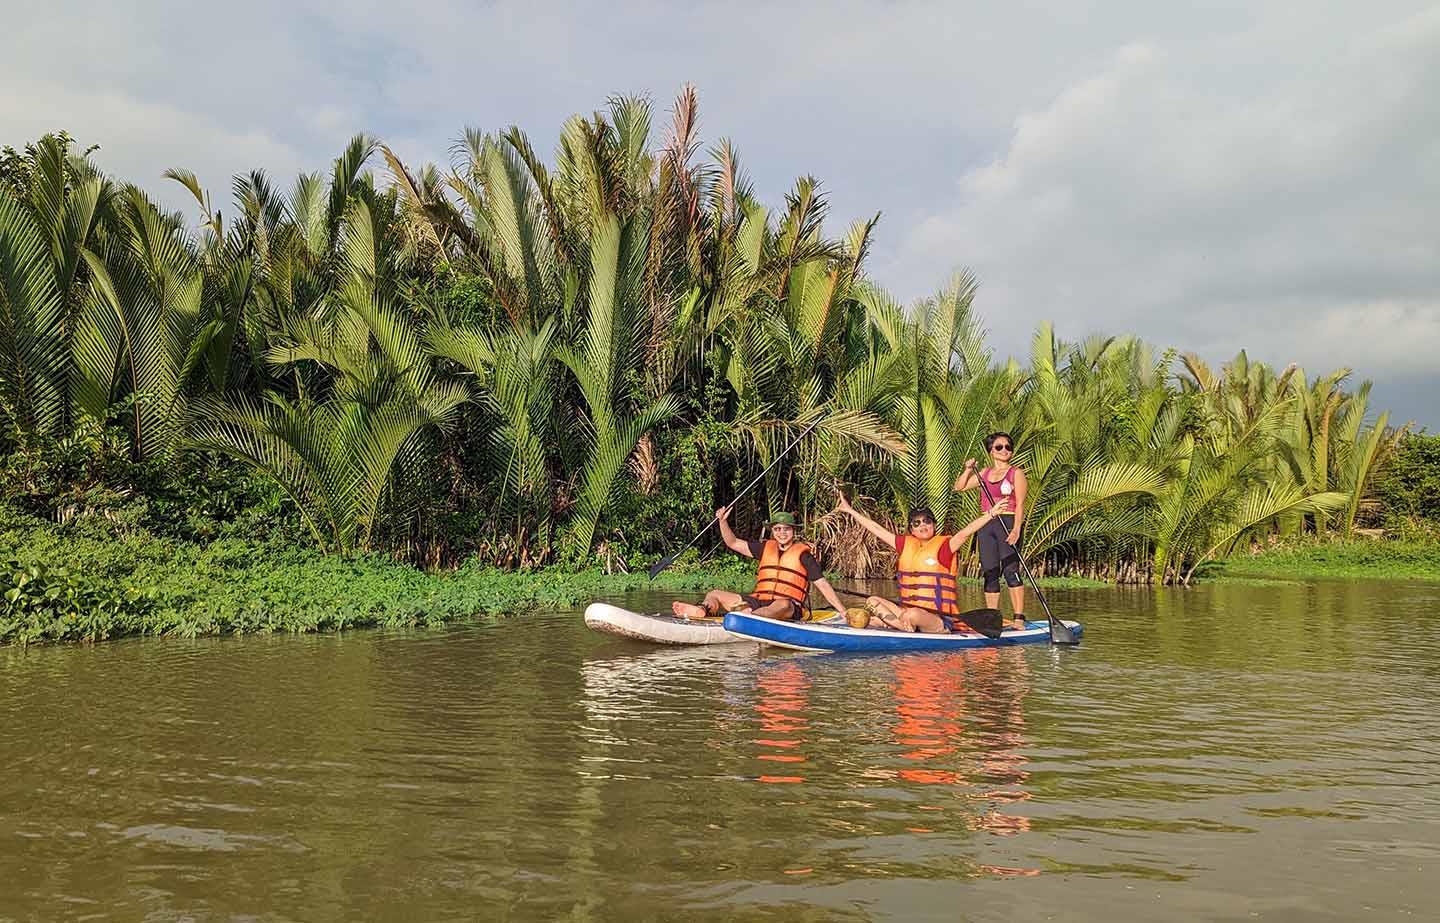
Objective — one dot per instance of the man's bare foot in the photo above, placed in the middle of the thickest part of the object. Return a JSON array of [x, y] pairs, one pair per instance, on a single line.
[[688, 610]]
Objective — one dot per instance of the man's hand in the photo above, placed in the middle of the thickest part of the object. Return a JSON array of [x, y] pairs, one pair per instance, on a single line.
[[842, 504], [722, 514]]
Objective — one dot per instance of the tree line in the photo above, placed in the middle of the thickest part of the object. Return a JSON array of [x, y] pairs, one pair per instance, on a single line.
[[527, 362]]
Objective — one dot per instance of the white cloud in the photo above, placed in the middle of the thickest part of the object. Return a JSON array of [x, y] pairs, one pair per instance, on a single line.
[[1210, 175], [139, 139], [1291, 212]]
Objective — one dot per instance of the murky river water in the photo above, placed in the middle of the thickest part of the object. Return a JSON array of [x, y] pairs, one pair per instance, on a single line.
[[1227, 752]]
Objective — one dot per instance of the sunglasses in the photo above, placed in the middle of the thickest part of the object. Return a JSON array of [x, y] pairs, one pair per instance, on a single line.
[[1000, 447], [921, 522]]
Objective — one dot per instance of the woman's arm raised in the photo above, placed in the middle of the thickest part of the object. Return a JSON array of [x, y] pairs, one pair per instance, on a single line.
[[870, 525], [1000, 508], [967, 480]]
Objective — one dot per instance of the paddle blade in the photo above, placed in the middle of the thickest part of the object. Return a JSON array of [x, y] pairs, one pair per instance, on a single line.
[[1060, 633], [988, 622], [661, 564]]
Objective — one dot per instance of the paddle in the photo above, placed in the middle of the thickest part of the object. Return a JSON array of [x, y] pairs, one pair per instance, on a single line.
[[666, 561], [988, 622], [1060, 633]]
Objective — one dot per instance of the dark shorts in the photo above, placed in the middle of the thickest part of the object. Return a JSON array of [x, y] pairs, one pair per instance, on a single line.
[[754, 603]]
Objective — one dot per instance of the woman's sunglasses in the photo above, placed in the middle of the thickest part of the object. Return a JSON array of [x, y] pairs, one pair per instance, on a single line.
[[921, 522], [1000, 447]]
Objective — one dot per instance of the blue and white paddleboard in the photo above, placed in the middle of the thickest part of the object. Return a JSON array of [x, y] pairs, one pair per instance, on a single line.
[[802, 636]]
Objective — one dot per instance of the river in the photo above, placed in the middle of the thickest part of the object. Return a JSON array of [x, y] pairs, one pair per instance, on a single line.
[[1223, 752]]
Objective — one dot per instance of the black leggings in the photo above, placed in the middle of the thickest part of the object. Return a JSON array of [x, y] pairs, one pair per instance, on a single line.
[[996, 557]]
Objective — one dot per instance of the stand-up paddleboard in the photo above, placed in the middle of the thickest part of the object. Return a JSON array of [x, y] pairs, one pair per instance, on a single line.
[[664, 628], [841, 637], [661, 629]]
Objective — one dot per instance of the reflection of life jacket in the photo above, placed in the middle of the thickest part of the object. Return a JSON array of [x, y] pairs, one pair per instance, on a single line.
[[923, 581], [930, 706], [783, 704], [781, 573]]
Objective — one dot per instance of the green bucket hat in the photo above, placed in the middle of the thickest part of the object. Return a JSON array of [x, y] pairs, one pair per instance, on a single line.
[[784, 519]]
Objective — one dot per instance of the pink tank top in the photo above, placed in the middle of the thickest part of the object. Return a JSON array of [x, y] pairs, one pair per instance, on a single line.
[[1004, 488]]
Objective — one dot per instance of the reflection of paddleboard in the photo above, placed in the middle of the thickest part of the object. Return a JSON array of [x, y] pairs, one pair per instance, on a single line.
[[666, 629], [841, 637]]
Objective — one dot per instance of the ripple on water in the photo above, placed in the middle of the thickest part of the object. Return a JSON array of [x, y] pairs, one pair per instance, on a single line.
[[1212, 752]]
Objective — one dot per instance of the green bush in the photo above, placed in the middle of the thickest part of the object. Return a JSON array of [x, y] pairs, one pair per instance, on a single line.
[[89, 481], [1408, 487], [76, 583], [1337, 558], [43, 603]]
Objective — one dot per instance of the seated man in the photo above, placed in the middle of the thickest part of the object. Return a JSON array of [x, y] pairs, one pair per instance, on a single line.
[[929, 592], [787, 569]]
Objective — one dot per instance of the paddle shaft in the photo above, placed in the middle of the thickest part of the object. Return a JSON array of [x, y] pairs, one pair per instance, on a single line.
[[666, 562], [1059, 632]]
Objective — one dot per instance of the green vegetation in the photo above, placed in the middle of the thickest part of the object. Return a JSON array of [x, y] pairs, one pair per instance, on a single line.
[[50, 603], [62, 586], [1404, 498], [1399, 560], [1407, 489], [512, 364]]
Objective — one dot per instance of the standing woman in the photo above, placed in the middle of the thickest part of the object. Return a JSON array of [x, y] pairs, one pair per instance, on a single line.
[[999, 537]]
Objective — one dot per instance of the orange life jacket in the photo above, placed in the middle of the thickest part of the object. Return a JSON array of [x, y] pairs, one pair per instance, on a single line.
[[781, 573], [923, 582]]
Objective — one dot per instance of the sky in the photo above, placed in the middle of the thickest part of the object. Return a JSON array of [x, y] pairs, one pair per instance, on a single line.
[[1210, 176]]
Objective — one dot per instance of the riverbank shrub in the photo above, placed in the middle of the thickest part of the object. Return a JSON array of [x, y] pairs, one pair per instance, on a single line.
[[69, 583], [1336, 558], [81, 583], [90, 481], [1407, 489], [532, 363], [48, 603]]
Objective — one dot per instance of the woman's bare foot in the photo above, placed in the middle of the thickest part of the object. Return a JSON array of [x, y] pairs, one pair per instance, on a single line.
[[688, 610], [1018, 624]]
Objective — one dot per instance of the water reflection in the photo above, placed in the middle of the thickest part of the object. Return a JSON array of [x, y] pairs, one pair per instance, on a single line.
[[633, 694], [929, 708], [961, 718], [782, 703], [536, 770]]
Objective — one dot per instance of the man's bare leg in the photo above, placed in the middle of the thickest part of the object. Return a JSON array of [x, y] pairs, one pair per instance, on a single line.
[[777, 609], [716, 602], [891, 615]]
